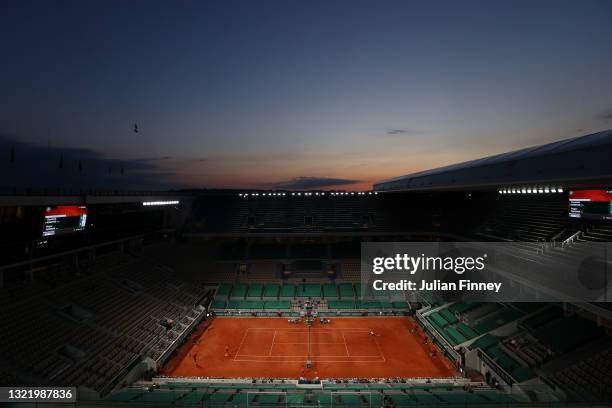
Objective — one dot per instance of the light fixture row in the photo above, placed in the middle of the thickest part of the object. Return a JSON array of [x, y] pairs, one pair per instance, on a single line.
[[531, 190], [309, 194], [159, 203]]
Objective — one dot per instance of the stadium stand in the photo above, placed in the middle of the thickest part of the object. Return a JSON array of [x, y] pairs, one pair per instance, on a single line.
[[271, 291], [91, 318], [489, 345], [476, 319], [309, 290], [239, 291], [98, 325], [596, 233], [287, 291], [589, 379], [566, 334], [255, 291], [332, 394], [520, 218], [261, 272], [330, 291], [224, 291], [351, 270], [221, 272]]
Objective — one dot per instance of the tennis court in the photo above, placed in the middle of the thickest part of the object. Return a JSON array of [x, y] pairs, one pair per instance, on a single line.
[[272, 347]]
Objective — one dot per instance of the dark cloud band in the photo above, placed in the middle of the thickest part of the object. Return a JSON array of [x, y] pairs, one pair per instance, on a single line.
[[302, 183], [26, 165]]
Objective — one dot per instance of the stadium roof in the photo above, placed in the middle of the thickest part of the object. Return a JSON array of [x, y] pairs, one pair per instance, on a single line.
[[584, 159]]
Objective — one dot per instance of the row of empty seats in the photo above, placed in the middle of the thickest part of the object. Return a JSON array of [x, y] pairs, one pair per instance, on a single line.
[[308, 214], [218, 304], [590, 379], [489, 344], [270, 291], [266, 251], [462, 322], [524, 218], [547, 338], [290, 397], [87, 331]]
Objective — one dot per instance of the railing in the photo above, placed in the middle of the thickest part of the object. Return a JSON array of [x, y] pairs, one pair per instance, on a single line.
[[116, 379], [558, 235], [503, 374], [63, 254], [570, 240], [180, 338], [330, 312], [440, 339], [288, 383]]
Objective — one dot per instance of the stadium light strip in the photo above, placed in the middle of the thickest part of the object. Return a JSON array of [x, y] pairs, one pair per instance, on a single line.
[[159, 203], [531, 190], [310, 194]]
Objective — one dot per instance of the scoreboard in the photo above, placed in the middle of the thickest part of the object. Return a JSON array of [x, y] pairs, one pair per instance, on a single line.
[[64, 219], [591, 204]]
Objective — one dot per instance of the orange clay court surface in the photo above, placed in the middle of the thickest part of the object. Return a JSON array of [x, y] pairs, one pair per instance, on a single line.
[[272, 347]]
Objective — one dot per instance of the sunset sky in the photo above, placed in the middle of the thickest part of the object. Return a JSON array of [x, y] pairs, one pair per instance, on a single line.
[[287, 94]]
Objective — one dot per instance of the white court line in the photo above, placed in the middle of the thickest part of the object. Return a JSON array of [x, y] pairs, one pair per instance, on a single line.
[[312, 342], [345, 345], [316, 360], [272, 345], [262, 356], [285, 317], [313, 329], [240, 346], [342, 330], [294, 355]]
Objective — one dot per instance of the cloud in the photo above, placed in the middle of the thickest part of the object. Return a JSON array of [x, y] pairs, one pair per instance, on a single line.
[[399, 131], [25, 165], [304, 183], [249, 158], [605, 115], [151, 159]]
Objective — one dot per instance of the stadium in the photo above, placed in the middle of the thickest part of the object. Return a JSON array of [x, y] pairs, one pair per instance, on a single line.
[[305, 204], [254, 298]]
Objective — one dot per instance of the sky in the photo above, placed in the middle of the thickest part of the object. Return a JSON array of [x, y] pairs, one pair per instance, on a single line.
[[290, 94]]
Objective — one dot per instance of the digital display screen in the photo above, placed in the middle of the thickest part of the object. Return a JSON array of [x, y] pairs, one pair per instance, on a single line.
[[591, 204], [64, 219]]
